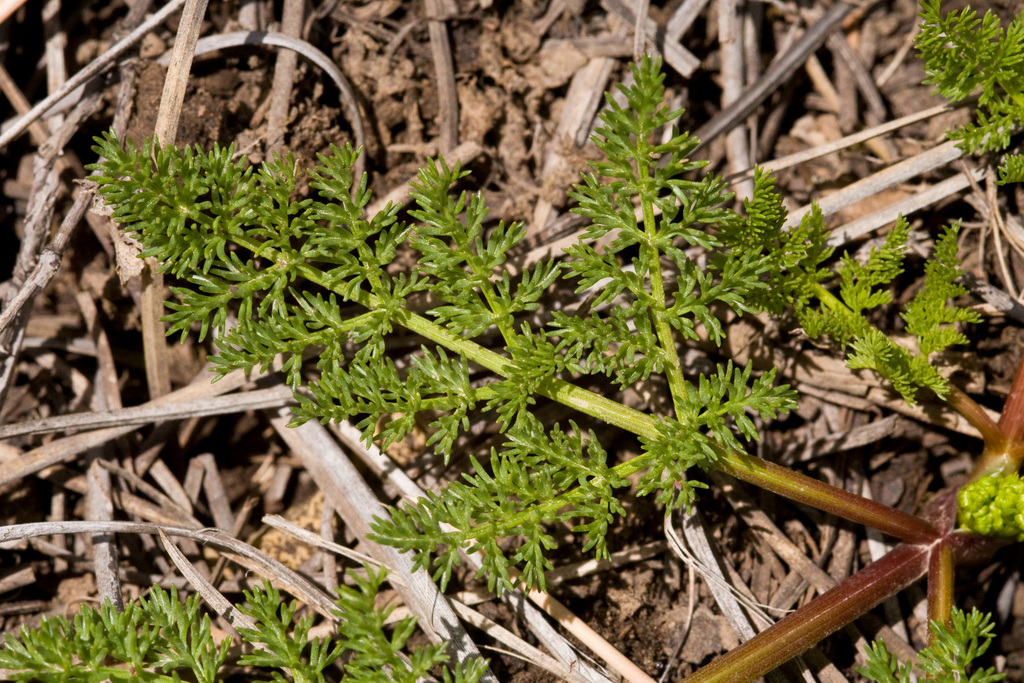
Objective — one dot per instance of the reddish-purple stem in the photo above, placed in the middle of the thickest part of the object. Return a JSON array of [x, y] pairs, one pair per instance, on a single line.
[[1011, 422], [819, 618], [818, 494]]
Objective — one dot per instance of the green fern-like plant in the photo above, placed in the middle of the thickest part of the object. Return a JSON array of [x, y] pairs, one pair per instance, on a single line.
[[928, 316], [159, 637], [155, 637], [361, 627], [282, 643], [948, 657], [965, 55], [317, 273], [664, 262]]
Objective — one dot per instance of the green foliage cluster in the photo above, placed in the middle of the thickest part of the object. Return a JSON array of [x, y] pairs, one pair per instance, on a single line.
[[361, 627], [799, 281], [928, 316], [993, 506], [316, 276], [158, 638], [947, 658], [151, 640], [965, 55], [662, 261]]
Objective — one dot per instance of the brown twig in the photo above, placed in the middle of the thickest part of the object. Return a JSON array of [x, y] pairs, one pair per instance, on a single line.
[[100, 508], [676, 56], [244, 553], [284, 77], [71, 447], [12, 92], [775, 75], [641, 8], [56, 42], [87, 73], [444, 72], [36, 265], [166, 130], [730, 39]]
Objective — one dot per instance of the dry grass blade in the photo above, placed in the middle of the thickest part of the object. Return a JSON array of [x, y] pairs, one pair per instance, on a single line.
[[213, 597], [100, 508], [259, 399], [216, 494], [995, 297], [520, 648], [56, 43], [888, 214], [779, 71], [936, 157], [676, 56], [69, 448], [730, 37], [578, 570], [640, 28], [444, 71], [243, 553], [284, 76], [697, 550], [307, 536], [615, 660], [93, 69], [818, 151], [37, 131], [144, 487], [683, 18], [153, 344]]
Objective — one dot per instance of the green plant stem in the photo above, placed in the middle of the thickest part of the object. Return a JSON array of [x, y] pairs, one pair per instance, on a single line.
[[673, 369], [785, 482], [1008, 455], [991, 433], [818, 494], [941, 574], [997, 461], [821, 617], [1003, 452]]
